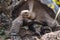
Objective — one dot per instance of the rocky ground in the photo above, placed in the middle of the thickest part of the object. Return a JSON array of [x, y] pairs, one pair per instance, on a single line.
[[25, 34]]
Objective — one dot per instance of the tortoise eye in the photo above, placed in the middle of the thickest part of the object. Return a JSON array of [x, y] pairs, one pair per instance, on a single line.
[[26, 14]]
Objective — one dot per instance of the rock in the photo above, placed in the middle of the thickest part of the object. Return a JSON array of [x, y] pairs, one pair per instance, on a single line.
[[51, 36]]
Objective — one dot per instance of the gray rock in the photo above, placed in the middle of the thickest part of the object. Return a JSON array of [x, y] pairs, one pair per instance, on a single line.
[[51, 36]]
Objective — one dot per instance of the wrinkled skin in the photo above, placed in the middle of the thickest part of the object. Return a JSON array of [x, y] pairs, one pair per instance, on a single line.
[[17, 24], [42, 15], [40, 10]]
